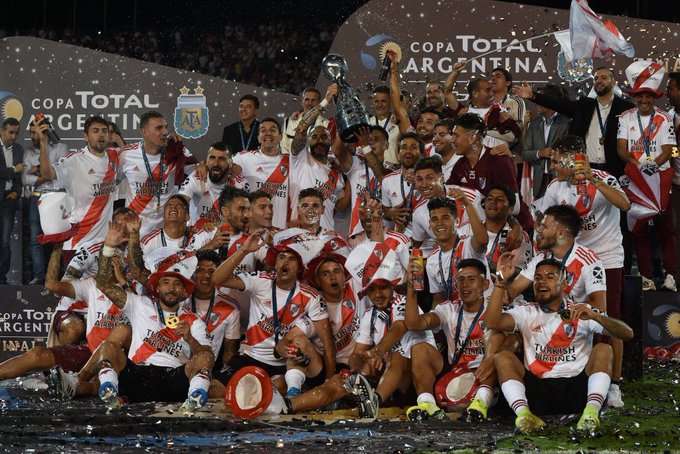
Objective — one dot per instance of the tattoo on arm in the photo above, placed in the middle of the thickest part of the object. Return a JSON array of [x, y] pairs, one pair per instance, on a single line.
[[107, 283], [136, 258]]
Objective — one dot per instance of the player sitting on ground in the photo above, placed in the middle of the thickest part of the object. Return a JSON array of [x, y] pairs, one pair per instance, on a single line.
[[461, 322], [562, 373], [303, 346], [170, 351]]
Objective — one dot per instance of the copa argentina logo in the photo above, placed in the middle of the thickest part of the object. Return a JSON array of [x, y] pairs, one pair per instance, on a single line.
[[382, 43], [10, 106], [191, 114]]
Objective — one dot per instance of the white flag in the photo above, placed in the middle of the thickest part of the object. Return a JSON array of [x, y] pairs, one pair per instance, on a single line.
[[594, 37]]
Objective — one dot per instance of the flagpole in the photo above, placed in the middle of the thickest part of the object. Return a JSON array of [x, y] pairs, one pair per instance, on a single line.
[[514, 43]]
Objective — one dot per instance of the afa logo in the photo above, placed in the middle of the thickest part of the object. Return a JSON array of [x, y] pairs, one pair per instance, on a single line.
[[382, 43], [191, 114], [10, 106]]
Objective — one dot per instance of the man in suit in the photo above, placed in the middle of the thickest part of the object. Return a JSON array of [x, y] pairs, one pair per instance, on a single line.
[[11, 167], [242, 135], [596, 120], [543, 131]]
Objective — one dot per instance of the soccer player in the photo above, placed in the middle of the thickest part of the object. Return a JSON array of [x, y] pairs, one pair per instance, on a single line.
[[563, 372], [90, 178], [461, 322], [310, 115], [599, 200], [443, 146], [268, 169], [310, 168], [451, 248], [277, 300], [308, 354], [175, 231], [203, 195], [170, 352], [154, 168], [398, 192]]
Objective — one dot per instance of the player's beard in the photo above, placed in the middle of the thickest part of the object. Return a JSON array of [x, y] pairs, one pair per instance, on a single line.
[[603, 91], [320, 151], [171, 299], [216, 177]]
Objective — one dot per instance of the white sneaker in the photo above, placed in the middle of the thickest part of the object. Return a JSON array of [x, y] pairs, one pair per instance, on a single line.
[[277, 405], [33, 384], [63, 384], [614, 397], [669, 283], [647, 284]]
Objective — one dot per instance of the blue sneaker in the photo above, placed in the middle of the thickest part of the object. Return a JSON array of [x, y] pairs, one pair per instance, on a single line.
[[293, 391]]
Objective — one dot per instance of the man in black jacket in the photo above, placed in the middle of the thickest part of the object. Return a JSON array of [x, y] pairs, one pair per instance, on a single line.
[[596, 120], [11, 167], [242, 135]]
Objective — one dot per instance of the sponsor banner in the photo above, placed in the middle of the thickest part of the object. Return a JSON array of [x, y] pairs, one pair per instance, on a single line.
[[25, 318], [432, 36], [71, 83]]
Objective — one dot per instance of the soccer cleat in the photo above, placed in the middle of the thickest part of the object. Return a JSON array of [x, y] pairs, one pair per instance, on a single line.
[[424, 411], [647, 284], [614, 396], [196, 400], [590, 419], [527, 422], [476, 411], [669, 283], [367, 400], [33, 384], [293, 391], [108, 393], [62, 384]]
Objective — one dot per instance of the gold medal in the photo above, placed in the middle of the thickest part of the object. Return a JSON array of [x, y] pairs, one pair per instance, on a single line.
[[172, 321]]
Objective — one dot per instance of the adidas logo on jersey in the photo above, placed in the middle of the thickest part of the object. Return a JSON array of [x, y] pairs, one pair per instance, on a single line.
[[91, 172], [259, 169]]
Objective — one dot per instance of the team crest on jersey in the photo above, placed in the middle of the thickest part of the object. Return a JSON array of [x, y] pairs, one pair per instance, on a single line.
[[378, 253], [569, 278], [349, 304], [294, 309], [191, 114], [569, 330], [284, 170], [482, 182]]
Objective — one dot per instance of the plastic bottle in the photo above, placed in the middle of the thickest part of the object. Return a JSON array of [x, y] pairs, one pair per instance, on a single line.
[[419, 275]]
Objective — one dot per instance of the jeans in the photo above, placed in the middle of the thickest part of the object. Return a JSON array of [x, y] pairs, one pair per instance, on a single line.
[[37, 249], [7, 212]]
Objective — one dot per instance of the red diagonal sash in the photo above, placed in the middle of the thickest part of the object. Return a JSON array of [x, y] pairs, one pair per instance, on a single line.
[[277, 177], [171, 335], [142, 199], [94, 213], [585, 202], [264, 329], [347, 315], [559, 339], [98, 334]]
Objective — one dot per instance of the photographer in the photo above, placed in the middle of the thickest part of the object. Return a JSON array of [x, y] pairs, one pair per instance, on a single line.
[[35, 184]]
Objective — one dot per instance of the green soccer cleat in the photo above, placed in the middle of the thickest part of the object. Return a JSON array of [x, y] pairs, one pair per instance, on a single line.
[[527, 422], [424, 411], [477, 410], [590, 419]]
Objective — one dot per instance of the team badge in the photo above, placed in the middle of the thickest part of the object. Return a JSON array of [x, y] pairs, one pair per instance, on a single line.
[[284, 170], [349, 304], [482, 182], [191, 114], [294, 308], [569, 330], [378, 253], [569, 278]]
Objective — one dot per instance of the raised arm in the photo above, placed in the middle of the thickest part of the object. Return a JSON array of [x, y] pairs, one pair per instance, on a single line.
[[105, 275], [46, 170], [494, 316], [224, 274], [52, 282], [480, 237], [562, 105], [450, 84], [414, 320], [135, 257], [395, 95]]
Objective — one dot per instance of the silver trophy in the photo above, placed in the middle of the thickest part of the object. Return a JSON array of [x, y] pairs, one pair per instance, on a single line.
[[351, 113]]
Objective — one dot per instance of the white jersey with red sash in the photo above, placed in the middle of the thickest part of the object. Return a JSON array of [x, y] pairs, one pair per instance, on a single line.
[[92, 182], [307, 172], [102, 314], [371, 259], [261, 333], [361, 179], [158, 238], [397, 191], [148, 187], [344, 317], [449, 313], [553, 348], [375, 324], [600, 220], [584, 272], [649, 193], [204, 197], [221, 318], [153, 343], [269, 174]]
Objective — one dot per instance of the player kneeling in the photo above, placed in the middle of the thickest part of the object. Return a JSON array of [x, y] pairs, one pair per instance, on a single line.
[[562, 373], [461, 323]]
